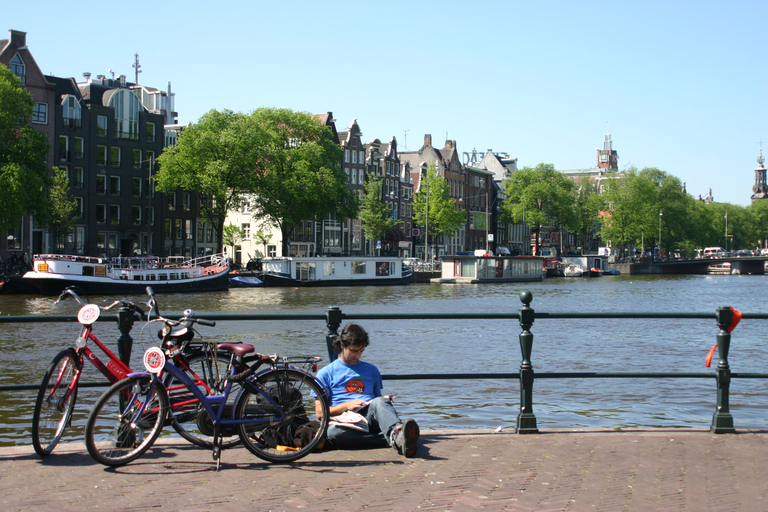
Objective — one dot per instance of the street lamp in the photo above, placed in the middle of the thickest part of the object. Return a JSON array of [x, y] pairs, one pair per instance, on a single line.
[[660, 214]]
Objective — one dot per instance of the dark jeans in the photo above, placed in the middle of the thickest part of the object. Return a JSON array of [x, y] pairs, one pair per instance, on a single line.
[[381, 416]]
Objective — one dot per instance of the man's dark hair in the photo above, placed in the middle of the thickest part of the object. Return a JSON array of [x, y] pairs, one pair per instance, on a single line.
[[351, 336]]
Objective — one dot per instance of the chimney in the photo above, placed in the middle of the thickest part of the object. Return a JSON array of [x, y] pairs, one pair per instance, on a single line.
[[427, 140], [87, 76]]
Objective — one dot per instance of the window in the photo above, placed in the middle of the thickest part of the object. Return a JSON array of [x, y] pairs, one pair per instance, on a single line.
[[126, 105], [101, 126], [358, 267], [272, 251], [172, 201], [79, 207], [346, 155], [114, 156], [137, 159], [14, 239], [63, 148], [186, 201], [101, 155], [79, 148], [168, 226], [77, 177], [360, 176], [361, 158], [136, 215], [136, 186], [101, 214], [19, 69], [354, 157], [150, 132], [189, 233], [70, 112], [101, 184], [246, 227], [150, 160], [177, 229], [114, 185], [40, 113], [114, 214]]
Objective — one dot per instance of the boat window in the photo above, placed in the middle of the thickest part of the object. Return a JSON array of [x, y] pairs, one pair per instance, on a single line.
[[138, 277], [383, 268], [87, 271], [151, 277], [185, 275], [358, 267], [162, 277], [173, 276], [329, 268]]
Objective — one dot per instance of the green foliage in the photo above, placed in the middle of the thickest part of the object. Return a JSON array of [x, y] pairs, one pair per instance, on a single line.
[[24, 174], [284, 162], [63, 208], [262, 238], [433, 205], [376, 216], [298, 174], [589, 203], [233, 235], [540, 196]]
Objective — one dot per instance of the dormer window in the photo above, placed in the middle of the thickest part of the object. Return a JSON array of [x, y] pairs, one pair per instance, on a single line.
[[19, 68]]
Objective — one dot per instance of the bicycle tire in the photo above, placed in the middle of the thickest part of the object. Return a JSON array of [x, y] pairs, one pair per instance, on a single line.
[[52, 415], [115, 438], [192, 421], [295, 394]]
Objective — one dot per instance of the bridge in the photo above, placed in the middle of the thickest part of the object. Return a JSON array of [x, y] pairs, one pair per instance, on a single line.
[[753, 265]]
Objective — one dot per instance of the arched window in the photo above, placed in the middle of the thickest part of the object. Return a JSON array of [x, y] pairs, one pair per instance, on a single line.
[[127, 108], [70, 109]]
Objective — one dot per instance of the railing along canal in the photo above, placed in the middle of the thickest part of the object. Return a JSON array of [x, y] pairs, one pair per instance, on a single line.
[[726, 318]]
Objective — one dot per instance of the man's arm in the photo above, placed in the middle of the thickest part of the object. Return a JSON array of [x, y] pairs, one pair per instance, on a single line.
[[337, 409]]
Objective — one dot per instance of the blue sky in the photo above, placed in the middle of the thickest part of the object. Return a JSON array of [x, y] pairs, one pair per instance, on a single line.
[[679, 85]]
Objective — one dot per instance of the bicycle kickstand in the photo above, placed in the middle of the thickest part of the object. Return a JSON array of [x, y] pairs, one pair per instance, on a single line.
[[217, 443]]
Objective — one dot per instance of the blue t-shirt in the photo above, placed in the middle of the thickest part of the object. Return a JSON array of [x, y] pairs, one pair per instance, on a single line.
[[348, 382]]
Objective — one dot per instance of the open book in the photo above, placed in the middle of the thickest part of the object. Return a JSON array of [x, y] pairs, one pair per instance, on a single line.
[[350, 419]]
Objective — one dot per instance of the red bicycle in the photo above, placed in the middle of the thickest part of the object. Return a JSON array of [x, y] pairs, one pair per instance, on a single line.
[[58, 391]]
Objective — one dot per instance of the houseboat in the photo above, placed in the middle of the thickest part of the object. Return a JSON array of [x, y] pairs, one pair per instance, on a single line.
[[491, 269], [335, 271], [51, 273]]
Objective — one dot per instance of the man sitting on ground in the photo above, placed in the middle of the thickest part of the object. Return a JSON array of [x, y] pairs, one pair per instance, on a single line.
[[354, 385]]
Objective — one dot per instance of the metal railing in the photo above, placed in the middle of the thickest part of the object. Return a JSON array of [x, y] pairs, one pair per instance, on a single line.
[[722, 421]]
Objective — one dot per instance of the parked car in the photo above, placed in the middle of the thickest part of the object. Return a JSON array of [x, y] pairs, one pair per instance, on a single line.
[[743, 253], [254, 265], [714, 253]]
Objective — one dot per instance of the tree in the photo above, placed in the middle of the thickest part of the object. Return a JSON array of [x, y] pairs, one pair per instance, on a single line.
[[63, 208], [262, 238], [376, 216], [433, 207], [589, 205], [233, 235], [541, 196], [24, 173], [298, 175], [216, 158]]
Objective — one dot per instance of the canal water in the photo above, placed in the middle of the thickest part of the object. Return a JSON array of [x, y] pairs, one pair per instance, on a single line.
[[464, 346]]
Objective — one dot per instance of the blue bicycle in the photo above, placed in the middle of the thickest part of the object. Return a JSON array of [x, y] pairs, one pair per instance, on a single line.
[[273, 412]]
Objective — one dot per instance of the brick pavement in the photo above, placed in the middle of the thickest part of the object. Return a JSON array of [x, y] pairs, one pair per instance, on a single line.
[[455, 470]]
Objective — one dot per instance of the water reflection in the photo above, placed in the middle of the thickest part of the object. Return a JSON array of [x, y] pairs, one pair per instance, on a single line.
[[464, 346]]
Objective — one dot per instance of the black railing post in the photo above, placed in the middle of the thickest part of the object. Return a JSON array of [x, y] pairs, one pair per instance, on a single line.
[[722, 421], [526, 420], [125, 320], [333, 320]]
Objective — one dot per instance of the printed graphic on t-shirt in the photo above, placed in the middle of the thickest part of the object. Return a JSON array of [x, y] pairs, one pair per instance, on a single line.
[[355, 386]]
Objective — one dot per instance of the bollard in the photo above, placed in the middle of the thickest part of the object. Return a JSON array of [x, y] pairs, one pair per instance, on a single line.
[[526, 420], [722, 421], [333, 321], [125, 319]]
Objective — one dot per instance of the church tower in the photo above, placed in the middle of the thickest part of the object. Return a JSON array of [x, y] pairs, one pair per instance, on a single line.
[[761, 188], [607, 158]]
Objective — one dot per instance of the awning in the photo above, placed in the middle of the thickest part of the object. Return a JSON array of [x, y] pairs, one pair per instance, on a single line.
[[396, 235]]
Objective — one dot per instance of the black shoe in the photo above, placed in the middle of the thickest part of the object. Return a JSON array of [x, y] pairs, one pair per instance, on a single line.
[[405, 437]]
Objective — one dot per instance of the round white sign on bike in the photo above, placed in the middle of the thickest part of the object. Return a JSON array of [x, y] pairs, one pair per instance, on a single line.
[[154, 360], [88, 314]]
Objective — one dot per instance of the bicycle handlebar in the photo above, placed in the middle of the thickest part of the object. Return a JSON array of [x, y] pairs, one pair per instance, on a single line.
[[70, 290]]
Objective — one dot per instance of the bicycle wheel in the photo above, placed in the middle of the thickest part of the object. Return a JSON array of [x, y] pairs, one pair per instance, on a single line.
[[126, 420], [286, 420], [55, 402], [188, 417]]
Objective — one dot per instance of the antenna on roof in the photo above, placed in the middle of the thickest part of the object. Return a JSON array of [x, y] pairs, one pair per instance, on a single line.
[[405, 140], [136, 66]]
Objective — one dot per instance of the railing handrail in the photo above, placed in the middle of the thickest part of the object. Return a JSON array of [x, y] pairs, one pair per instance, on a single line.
[[722, 421]]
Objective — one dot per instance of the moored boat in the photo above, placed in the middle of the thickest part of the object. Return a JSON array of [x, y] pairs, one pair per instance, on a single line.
[[51, 273], [720, 268], [573, 270], [241, 281], [335, 271]]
